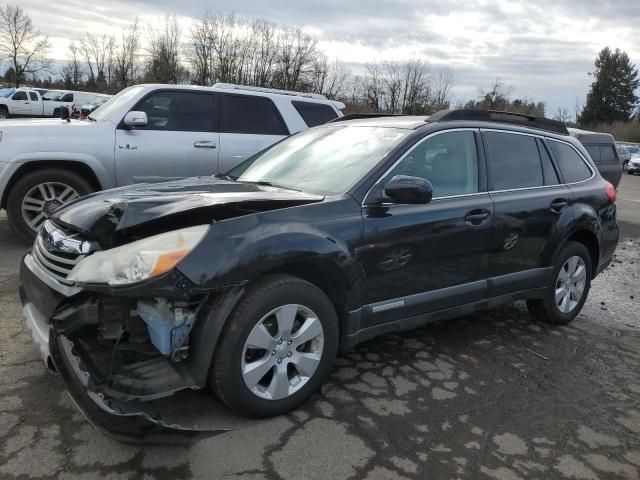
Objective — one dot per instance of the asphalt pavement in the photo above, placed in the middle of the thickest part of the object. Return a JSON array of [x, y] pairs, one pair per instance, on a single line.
[[492, 395]]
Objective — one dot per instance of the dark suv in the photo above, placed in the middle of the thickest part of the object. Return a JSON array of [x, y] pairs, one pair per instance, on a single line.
[[251, 282]]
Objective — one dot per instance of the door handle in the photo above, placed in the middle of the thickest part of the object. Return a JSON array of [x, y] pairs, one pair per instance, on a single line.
[[559, 204], [476, 217], [204, 144]]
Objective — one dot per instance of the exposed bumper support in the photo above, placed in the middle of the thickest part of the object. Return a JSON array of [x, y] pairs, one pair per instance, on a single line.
[[39, 328], [126, 421]]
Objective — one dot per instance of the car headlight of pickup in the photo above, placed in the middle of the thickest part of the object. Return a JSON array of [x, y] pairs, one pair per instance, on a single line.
[[138, 260]]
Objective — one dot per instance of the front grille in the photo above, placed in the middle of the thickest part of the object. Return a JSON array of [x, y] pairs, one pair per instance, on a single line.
[[58, 264]]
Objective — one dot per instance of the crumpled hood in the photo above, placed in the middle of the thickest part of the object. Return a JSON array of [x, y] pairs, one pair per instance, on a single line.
[[168, 205]]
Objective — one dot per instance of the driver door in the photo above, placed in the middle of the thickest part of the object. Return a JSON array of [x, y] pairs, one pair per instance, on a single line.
[[180, 139], [419, 258], [21, 104]]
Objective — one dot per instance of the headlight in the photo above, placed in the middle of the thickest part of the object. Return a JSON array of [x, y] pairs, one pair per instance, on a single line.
[[139, 260]]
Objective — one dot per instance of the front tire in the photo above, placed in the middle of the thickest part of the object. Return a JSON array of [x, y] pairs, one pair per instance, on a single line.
[[277, 348], [36, 195], [568, 288]]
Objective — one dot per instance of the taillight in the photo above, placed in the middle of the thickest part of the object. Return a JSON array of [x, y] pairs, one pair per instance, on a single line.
[[611, 192]]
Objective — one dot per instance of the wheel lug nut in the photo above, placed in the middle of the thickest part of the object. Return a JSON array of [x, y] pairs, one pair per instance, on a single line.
[[280, 342], [289, 354], [289, 342], [279, 360], [273, 353]]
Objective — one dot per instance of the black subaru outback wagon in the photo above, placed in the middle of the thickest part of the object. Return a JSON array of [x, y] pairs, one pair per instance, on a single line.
[[250, 282]]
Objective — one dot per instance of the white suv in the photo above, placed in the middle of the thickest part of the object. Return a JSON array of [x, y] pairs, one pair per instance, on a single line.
[[146, 133]]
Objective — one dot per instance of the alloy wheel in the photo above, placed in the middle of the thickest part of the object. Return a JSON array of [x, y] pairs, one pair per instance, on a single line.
[[44, 199], [570, 284], [282, 352]]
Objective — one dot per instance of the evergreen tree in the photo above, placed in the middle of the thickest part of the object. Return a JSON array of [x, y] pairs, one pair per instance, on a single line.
[[612, 96]]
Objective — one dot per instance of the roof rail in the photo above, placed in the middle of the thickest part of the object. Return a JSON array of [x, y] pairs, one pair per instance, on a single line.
[[232, 86], [521, 119], [356, 116]]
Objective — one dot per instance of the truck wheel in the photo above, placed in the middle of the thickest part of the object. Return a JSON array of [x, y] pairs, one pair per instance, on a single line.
[[38, 194], [277, 349], [4, 113], [568, 287]]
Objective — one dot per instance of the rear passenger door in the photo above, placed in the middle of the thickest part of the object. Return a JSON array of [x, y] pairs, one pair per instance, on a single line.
[[248, 124], [531, 205]]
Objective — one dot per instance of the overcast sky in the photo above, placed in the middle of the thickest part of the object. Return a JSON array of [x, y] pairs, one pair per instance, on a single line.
[[542, 48]]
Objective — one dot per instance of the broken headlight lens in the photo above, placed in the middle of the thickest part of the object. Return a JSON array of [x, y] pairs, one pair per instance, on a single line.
[[138, 260]]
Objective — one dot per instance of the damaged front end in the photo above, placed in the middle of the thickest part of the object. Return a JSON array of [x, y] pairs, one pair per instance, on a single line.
[[117, 362], [121, 349], [107, 304]]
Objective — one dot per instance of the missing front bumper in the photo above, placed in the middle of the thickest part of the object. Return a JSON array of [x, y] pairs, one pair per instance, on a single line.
[[134, 421]]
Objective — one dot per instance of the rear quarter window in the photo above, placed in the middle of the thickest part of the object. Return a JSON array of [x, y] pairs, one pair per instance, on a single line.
[[314, 114], [594, 152], [608, 154], [573, 167]]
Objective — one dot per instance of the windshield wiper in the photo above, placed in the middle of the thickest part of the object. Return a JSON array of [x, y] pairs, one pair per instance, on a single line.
[[264, 183], [224, 176]]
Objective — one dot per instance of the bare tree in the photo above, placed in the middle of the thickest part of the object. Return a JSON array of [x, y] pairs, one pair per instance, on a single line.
[[200, 50], [327, 78], [296, 54], [126, 56], [266, 45], [21, 43], [98, 56], [163, 53], [562, 115], [72, 72], [442, 89]]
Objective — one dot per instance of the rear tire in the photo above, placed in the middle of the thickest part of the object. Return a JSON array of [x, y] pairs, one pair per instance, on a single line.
[[28, 205], [237, 375], [568, 287]]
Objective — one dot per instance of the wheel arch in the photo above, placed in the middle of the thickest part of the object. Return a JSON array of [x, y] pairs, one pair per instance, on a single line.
[[589, 239], [75, 166]]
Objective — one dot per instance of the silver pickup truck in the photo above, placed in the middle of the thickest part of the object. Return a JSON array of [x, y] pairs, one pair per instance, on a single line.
[[146, 133]]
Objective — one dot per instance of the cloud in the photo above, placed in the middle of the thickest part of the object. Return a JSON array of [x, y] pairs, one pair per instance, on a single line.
[[544, 49]]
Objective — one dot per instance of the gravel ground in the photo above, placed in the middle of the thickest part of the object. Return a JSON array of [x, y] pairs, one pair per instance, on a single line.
[[493, 395]]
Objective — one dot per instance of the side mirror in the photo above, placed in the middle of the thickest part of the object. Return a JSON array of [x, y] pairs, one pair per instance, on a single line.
[[135, 119], [406, 189]]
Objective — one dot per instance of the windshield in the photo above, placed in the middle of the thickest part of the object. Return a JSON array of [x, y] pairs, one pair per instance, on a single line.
[[6, 92], [326, 160], [115, 102]]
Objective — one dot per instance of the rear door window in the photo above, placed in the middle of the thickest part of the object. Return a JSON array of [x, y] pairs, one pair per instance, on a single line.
[[573, 167], [33, 96], [67, 97], [515, 161], [314, 114], [251, 114]]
